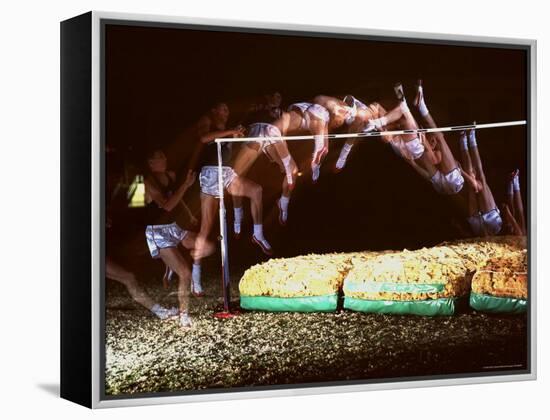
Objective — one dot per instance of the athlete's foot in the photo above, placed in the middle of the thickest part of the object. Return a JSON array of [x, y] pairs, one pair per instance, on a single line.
[[371, 126], [315, 172], [513, 174], [349, 100], [164, 313], [419, 98], [339, 166], [237, 230], [399, 93], [283, 214], [263, 244], [185, 320]]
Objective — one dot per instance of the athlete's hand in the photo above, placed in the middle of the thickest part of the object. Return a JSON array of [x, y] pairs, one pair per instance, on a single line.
[[238, 131]]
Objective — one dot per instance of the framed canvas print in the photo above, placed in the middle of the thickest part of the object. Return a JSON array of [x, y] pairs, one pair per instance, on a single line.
[[254, 209]]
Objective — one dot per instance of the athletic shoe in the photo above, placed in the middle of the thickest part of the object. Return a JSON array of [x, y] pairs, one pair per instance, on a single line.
[[164, 313], [196, 287], [185, 320], [263, 244], [398, 89]]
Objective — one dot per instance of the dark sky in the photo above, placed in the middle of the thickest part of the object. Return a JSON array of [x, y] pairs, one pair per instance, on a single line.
[[160, 80]]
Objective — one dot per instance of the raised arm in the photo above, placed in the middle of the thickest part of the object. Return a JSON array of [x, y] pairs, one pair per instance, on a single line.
[[169, 203]]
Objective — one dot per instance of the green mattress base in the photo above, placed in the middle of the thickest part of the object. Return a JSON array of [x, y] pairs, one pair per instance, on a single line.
[[326, 303], [431, 307], [494, 304]]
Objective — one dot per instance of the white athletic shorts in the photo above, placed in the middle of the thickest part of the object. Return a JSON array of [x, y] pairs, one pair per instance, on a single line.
[[486, 223], [308, 109], [163, 236], [450, 183], [264, 130], [208, 179]]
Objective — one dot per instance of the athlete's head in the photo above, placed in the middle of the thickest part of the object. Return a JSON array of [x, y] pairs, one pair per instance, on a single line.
[[338, 116], [156, 161], [273, 99], [220, 112]]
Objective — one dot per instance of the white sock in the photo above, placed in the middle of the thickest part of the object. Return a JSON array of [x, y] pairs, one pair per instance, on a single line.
[[315, 171], [422, 108], [341, 162], [379, 122], [196, 277], [238, 213], [515, 183], [319, 142], [288, 169], [196, 272], [284, 203], [463, 141], [404, 107], [472, 138], [259, 231]]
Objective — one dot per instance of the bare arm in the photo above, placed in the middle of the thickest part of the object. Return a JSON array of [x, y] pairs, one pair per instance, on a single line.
[[205, 135], [171, 202]]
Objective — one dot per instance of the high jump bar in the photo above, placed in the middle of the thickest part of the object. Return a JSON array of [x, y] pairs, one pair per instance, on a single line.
[[378, 133], [226, 281]]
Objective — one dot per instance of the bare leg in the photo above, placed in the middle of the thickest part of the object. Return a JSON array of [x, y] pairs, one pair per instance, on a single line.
[[286, 187], [447, 162], [511, 222], [116, 272], [426, 159], [189, 243], [203, 247], [518, 205], [246, 188], [319, 130], [486, 200], [243, 187], [467, 166], [246, 157], [173, 259], [510, 198], [248, 154], [281, 155]]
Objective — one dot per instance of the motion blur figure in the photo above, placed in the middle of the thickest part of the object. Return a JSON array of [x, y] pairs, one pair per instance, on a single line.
[[209, 128], [483, 214], [260, 123], [164, 233], [356, 120], [115, 271], [514, 215], [338, 114]]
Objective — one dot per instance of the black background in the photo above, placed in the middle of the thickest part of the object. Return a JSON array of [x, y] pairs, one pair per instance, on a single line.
[[159, 81]]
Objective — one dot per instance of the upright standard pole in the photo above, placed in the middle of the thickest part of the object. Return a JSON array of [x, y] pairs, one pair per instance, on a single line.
[[226, 281]]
